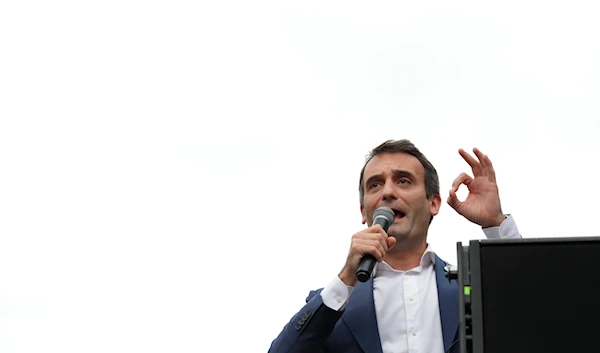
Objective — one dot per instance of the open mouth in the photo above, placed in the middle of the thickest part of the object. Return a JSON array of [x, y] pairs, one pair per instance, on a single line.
[[398, 214]]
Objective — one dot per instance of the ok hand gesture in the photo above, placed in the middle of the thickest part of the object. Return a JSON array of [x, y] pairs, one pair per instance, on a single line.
[[482, 205]]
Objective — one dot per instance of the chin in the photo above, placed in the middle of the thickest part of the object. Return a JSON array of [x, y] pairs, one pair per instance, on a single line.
[[396, 233]]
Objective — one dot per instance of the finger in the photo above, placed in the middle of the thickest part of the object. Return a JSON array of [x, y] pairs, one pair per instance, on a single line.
[[377, 228], [475, 165], [487, 166], [453, 201], [374, 233], [463, 178], [374, 236], [381, 235], [374, 248], [481, 157], [391, 241]]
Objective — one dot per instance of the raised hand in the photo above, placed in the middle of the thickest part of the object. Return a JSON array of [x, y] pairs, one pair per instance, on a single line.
[[482, 205]]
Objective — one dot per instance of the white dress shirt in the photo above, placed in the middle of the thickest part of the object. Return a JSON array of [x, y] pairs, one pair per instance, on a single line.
[[406, 302]]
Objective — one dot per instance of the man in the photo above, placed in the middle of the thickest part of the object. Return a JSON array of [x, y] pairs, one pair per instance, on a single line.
[[408, 305]]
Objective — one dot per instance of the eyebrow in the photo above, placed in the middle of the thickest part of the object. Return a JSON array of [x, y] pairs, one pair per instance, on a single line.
[[397, 173]]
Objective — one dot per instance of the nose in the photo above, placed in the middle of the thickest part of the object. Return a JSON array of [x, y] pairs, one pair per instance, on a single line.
[[389, 192]]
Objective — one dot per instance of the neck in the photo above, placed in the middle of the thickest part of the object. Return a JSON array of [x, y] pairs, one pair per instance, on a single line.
[[405, 256]]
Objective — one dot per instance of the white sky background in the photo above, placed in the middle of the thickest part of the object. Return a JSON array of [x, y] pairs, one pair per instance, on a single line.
[[176, 176]]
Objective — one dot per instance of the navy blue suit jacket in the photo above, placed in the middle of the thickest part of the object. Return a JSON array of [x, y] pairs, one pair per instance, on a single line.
[[317, 328]]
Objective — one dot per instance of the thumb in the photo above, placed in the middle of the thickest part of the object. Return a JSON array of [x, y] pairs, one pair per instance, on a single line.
[[391, 241], [453, 200]]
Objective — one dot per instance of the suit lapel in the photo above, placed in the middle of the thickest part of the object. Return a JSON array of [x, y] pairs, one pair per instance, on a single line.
[[360, 314], [448, 302], [361, 318]]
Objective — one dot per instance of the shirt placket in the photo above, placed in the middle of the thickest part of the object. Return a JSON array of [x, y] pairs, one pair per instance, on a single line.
[[413, 333]]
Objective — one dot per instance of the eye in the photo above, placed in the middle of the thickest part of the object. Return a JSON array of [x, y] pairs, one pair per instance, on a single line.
[[374, 185], [404, 181]]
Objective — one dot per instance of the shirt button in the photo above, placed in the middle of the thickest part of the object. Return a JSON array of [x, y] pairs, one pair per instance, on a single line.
[[338, 299], [414, 333], [411, 299]]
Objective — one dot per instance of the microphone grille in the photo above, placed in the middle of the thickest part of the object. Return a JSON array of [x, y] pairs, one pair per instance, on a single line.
[[385, 212]]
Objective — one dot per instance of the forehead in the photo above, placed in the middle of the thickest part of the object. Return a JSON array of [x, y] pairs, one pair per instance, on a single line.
[[387, 162]]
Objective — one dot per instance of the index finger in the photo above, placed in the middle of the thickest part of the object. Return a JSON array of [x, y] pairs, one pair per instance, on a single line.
[[475, 165], [379, 229]]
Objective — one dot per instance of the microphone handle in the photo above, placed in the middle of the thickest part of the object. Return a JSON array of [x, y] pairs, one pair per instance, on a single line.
[[367, 263], [365, 268]]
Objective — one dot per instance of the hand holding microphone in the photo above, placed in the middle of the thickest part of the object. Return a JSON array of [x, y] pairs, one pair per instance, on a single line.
[[368, 247]]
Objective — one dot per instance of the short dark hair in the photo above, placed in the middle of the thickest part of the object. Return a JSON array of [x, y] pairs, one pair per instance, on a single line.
[[432, 183]]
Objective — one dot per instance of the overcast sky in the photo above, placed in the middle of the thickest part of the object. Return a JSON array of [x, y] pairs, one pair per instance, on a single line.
[[175, 176]]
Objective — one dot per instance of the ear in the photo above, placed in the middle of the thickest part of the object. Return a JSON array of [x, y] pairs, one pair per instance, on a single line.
[[436, 202], [364, 214]]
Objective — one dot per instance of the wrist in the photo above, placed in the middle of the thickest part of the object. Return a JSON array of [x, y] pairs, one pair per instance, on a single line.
[[496, 222], [349, 279]]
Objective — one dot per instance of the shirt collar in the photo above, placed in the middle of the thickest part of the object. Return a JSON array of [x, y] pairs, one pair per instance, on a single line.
[[428, 256], [427, 259]]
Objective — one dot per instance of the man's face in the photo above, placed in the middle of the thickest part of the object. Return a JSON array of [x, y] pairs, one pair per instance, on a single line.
[[397, 180]]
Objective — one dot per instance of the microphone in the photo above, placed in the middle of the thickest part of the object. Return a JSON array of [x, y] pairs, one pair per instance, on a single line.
[[384, 216]]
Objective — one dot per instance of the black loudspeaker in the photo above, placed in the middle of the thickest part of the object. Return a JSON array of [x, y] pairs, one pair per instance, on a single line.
[[529, 295]]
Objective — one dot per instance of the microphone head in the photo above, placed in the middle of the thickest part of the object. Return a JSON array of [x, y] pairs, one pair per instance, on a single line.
[[383, 216]]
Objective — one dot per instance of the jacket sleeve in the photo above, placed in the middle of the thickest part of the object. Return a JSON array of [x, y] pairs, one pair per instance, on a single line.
[[309, 329]]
